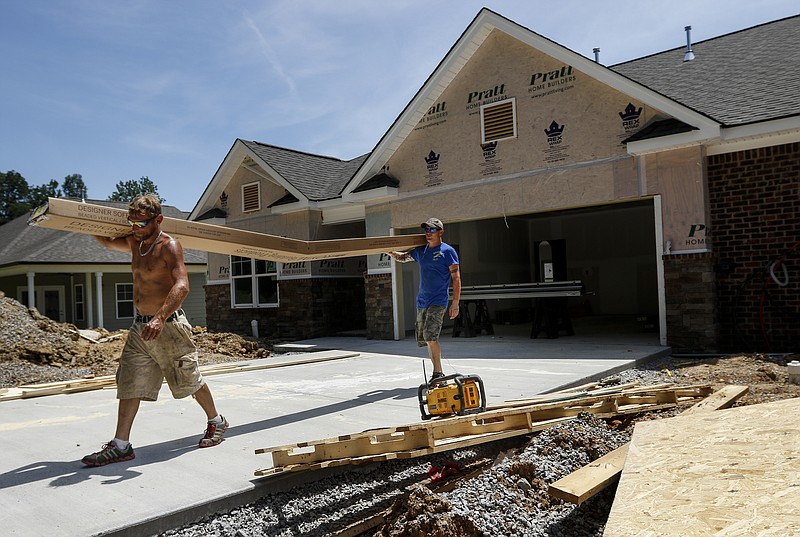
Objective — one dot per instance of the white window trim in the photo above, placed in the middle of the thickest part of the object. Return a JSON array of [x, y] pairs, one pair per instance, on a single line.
[[117, 301], [253, 277], [75, 301]]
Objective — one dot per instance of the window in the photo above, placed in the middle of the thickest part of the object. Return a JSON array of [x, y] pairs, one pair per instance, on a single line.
[[498, 121], [254, 283], [251, 197], [80, 303], [124, 299]]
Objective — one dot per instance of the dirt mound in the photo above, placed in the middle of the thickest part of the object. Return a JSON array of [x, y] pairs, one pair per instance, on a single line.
[[426, 513], [50, 351]]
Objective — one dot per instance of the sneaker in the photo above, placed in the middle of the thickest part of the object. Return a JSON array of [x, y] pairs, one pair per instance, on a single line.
[[214, 433], [435, 375], [110, 453]]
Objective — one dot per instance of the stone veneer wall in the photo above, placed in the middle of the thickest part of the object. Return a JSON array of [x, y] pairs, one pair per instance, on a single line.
[[753, 198], [309, 308], [690, 300], [380, 321]]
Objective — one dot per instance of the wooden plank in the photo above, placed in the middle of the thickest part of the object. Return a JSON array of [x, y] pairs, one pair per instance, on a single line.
[[587, 481], [584, 483], [734, 472], [724, 398], [91, 219]]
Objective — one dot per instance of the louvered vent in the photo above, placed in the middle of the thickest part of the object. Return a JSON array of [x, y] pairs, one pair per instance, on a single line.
[[251, 197], [498, 121]]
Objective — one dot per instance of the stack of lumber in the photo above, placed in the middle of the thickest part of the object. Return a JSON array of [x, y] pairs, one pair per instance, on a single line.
[[512, 419], [91, 219]]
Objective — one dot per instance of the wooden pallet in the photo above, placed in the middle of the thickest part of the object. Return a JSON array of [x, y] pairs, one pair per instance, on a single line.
[[428, 437]]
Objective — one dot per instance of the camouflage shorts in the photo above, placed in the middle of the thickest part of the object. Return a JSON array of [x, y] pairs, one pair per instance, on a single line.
[[429, 324], [144, 365]]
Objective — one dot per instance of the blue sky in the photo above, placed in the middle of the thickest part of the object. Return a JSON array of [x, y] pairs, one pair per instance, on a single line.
[[119, 90]]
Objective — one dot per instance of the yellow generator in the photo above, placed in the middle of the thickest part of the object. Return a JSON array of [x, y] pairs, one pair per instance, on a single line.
[[452, 395]]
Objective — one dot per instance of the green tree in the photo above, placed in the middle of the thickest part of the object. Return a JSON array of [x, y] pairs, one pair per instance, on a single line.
[[38, 194], [14, 192], [74, 186], [127, 190]]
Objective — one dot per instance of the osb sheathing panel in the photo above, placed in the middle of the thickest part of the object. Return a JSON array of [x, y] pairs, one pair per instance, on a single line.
[[533, 193], [730, 473], [588, 111], [679, 176]]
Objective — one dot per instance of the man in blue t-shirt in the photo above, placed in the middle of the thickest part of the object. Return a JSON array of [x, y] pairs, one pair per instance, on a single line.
[[438, 264]]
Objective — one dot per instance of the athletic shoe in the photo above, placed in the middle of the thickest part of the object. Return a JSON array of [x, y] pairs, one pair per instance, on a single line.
[[214, 433], [435, 375], [110, 453]]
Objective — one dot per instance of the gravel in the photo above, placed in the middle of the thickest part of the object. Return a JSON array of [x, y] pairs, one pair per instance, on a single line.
[[509, 498]]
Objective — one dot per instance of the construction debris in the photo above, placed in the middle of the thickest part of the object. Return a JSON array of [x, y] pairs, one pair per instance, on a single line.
[[429, 437]]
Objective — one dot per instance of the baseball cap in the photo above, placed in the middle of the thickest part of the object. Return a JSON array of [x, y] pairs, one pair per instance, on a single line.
[[432, 222]]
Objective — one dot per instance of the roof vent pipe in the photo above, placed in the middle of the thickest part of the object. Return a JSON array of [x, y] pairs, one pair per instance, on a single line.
[[596, 55], [689, 54]]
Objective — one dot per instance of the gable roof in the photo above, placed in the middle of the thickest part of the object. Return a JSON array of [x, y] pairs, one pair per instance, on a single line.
[[736, 79], [22, 244], [307, 178], [318, 178]]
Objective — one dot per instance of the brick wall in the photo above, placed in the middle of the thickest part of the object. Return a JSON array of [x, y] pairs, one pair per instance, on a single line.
[[690, 303], [380, 322], [754, 221], [309, 308]]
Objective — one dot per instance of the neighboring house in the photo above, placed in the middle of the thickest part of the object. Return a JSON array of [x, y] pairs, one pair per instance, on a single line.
[[76, 280], [668, 185]]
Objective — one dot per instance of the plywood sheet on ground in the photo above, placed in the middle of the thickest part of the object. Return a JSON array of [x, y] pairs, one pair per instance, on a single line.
[[734, 472], [90, 219]]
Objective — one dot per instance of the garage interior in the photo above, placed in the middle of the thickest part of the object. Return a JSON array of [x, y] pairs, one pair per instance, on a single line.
[[610, 249]]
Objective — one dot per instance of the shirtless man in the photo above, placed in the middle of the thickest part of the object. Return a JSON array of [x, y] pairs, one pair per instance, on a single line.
[[159, 343]]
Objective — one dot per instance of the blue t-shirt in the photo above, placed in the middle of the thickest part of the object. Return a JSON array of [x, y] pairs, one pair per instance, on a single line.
[[434, 273]]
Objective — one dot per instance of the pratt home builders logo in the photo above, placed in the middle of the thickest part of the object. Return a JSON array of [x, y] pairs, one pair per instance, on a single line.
[[477, 98], [549, 82]]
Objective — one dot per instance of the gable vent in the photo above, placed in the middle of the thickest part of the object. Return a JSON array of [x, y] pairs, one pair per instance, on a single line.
[[498, 121], [251, 197]]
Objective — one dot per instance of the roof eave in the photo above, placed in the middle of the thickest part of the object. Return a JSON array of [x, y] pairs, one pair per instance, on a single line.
[[761, 134], [674, 141], [382, 193]]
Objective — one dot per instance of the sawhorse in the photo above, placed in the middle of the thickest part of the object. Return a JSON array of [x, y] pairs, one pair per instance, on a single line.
[[465, 323]]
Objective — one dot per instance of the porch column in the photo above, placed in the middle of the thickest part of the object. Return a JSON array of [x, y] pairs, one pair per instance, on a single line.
[[31, 289], [98, 277], [88, 300]]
